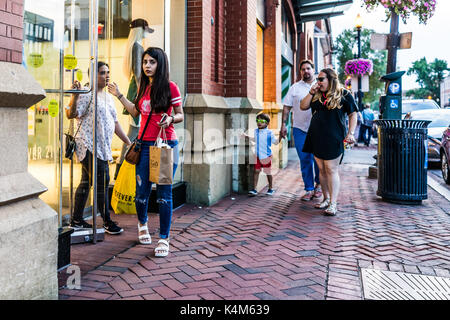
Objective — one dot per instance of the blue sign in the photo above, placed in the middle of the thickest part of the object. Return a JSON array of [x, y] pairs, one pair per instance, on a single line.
[[394, 104], [394, 88]]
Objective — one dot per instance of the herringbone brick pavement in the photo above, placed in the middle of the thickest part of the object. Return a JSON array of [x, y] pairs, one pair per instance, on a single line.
[[280, 247]]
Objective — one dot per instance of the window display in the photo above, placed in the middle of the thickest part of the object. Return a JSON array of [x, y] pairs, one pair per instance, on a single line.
[[57, 51]]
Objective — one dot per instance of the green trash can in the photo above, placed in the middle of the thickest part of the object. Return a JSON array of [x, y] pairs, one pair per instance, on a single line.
[[402, 160]]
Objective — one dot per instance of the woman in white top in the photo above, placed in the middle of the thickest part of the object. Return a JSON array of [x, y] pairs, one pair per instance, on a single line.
[[82, 108]]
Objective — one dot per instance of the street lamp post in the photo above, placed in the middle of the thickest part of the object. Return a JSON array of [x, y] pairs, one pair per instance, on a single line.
[[359, 24]]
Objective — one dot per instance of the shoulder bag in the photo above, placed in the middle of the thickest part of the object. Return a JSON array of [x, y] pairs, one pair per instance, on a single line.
[[134, 151], [71, 144]]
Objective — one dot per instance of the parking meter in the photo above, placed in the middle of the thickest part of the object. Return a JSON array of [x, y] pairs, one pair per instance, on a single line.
[[391, 101]]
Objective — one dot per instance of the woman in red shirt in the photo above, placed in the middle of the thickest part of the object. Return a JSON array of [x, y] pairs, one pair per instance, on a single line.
[[157, 97]]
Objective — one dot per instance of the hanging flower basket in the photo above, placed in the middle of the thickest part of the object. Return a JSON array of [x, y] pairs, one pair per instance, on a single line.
[[423, 9], [358, 67]]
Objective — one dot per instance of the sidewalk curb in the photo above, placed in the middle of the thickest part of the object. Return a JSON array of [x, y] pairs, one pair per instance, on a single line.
[[438, 188]]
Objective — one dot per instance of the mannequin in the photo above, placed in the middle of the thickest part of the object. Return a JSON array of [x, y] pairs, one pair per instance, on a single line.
[[139, 29]]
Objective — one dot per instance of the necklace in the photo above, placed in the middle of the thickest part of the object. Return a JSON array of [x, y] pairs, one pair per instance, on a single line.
[[325, 97]]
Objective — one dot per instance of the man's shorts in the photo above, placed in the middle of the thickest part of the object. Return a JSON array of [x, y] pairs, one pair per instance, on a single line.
[[265, 164]]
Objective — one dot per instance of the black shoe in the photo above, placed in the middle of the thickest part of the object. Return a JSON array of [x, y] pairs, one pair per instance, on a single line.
[[112, 228], [80, 224]]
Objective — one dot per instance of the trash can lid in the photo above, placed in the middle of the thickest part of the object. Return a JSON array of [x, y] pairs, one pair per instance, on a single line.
[[403, 124]]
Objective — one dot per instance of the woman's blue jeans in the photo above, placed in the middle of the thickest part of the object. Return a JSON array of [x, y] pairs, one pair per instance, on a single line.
[[163, 192], [308, 166]]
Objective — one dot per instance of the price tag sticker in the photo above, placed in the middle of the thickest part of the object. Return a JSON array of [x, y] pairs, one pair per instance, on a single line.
[[79, 75], [35, 60], [53, 108], [70, 62]]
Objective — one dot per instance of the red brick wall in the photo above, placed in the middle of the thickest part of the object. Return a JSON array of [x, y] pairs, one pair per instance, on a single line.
[[217, 44], [205, 58], [11, 30], [240, 33], [306, 49], [221, 57], [194, 43]]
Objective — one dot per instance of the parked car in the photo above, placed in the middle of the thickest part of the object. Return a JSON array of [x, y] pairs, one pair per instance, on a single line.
[[440, 120], [417, 104], [445, 155]]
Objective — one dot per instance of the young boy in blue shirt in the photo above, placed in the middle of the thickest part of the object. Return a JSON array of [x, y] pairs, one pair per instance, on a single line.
[[264, 138]]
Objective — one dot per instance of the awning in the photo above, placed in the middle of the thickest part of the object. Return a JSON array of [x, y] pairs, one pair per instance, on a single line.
[[313, 10]]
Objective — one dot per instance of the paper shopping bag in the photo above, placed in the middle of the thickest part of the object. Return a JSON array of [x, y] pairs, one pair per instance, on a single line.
[[124, 191], [161, 165]]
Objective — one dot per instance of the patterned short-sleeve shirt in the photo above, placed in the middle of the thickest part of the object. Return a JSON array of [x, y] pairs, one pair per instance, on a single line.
[[106, 121]]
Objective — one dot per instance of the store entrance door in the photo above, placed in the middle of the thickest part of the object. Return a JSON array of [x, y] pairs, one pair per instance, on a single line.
[[60, 45]]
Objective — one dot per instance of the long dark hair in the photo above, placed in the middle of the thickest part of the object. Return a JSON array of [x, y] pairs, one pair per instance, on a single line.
[[160, 92]]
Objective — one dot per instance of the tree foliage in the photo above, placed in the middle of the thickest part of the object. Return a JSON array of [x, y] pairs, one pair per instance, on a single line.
[[345, 43], [429, 77]]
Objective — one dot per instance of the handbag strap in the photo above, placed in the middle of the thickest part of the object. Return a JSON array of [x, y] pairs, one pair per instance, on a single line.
[[146, 124], [89, 105]]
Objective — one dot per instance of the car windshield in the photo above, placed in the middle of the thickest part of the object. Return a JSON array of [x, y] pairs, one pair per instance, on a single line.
[[411, 106], [437, 119]]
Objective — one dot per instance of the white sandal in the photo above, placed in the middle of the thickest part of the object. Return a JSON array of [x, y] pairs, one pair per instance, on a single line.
[[162, 250], [144, 238], [322, 205], [331, 210]]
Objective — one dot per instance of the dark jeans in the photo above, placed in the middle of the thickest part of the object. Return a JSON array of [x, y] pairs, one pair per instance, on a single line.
[[82, 192], [366, 137]]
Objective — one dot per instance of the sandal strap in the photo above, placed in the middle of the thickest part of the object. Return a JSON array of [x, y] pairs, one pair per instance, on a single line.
[[142, 228], [163, 242]]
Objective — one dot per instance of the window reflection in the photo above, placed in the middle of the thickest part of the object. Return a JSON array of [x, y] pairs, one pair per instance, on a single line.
[[47, 30]]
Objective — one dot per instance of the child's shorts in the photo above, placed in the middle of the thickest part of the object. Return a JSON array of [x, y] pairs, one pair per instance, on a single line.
[[266, 164]]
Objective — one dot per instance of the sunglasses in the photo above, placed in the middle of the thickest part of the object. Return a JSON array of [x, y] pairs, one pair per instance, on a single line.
[[321, 79], [261, 121]]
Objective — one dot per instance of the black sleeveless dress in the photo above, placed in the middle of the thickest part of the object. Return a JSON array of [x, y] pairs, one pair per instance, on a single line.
[[325, 137]]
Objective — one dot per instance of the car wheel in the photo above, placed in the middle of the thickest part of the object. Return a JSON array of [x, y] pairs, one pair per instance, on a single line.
[[445, 168]]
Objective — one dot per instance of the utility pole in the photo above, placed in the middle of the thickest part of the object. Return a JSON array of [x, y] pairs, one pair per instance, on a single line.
[[393, 43], [359, 24], [359, 76]]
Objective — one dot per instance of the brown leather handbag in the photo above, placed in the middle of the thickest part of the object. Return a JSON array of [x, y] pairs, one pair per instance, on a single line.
[[133, 154]]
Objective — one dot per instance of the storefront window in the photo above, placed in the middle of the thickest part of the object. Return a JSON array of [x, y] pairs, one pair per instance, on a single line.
[[49, 26], [286, 32]]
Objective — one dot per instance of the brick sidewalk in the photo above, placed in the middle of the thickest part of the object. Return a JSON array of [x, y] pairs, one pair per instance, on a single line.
[[275, 247]]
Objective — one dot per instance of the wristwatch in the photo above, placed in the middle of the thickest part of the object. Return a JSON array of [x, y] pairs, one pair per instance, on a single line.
[[173, 119]]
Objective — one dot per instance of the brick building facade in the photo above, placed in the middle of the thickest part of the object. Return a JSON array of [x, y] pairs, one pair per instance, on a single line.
[[239, 58], [29, 227], [223, 79], [11, 31]]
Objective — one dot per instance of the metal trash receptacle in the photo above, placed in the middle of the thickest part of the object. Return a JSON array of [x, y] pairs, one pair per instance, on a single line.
[[402, 160]]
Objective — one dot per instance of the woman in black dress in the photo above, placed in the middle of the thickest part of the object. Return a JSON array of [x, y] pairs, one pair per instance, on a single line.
[[329, 102]]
